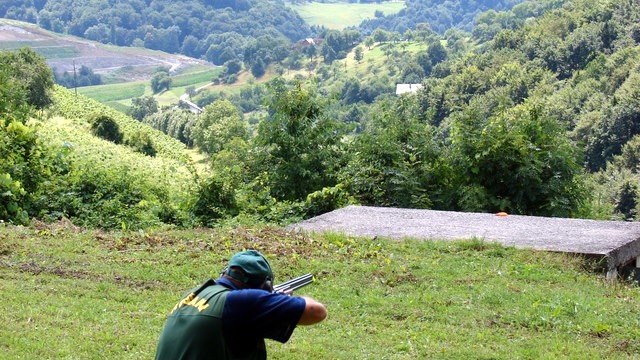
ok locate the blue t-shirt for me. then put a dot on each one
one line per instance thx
(251, 315)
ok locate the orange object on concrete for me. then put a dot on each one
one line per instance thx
(502, 213)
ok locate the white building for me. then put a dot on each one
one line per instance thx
(407, 88)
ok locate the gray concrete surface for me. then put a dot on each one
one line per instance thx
(615, 242)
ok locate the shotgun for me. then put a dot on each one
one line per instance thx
(294, 284)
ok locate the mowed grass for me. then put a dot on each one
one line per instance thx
(376, 59)
(113, 92)
(195, 78)
(68, 293)
(339, 15)
(119, 95)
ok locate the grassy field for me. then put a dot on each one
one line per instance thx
(119, 95)
(68, 293)
(114, 92)
(339, 15)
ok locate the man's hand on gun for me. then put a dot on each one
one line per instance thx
(290, 286)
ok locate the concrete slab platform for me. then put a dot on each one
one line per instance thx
(616, 243)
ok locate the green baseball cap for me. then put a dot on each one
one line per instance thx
(254, 264)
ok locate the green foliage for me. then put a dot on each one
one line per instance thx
(106, 128)
(142, 143)
(298, 145)
(32, 72)
(80, 108)
(440, 15)
(336, 44)
(326, 200)
(25, 164)
(83, 77)
(394, 160)
(175, 122)
(101, 184)
(215, 201)
(357, 56)
(627, 202)
(519, 162)
(111, 186)
(220, 123)
(619, 124)
(142, 107)
(162, 25)
(258, 68)
(161, 81)
(538, 88)
(11, 199)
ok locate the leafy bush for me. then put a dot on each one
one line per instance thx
(11, 194)
(31, 73)
(109, 186)
(326, 200)
(142, 143)
(25, 163)
(215, 201)
(106, 128)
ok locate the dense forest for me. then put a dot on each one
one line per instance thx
(218, 31)
(440, 16)
(534, 115)
(254, 32)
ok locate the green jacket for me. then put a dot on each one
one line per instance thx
(193, 330)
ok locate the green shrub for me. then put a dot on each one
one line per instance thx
(215, 201)
(106, 128)
(11, 194)
(142, 143)
(25, 164)
(326, 200)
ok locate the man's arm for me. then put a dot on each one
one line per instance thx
(314, 312)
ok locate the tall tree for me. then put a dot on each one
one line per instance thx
(142, 107)
(394, 161)
(220, 122)
(32, 72)
(298, 145)
(517, 161)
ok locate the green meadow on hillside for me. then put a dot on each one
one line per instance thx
(102, 295)
(81, 107)
(108, 184)
(375, 60)
(339, 15)
(119, 95)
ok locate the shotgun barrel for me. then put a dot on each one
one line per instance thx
(294, 284)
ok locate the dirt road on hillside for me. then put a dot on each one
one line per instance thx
(63, 52)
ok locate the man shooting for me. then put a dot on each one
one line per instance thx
(229, 318)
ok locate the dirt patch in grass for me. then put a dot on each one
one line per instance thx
(34, 268)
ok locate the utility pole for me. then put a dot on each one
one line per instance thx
(75, 81)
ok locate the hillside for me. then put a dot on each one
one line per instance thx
(218, 31)
(340, 15)
(437, 15)
(556, 123)
(111, 185)
(116, 64)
